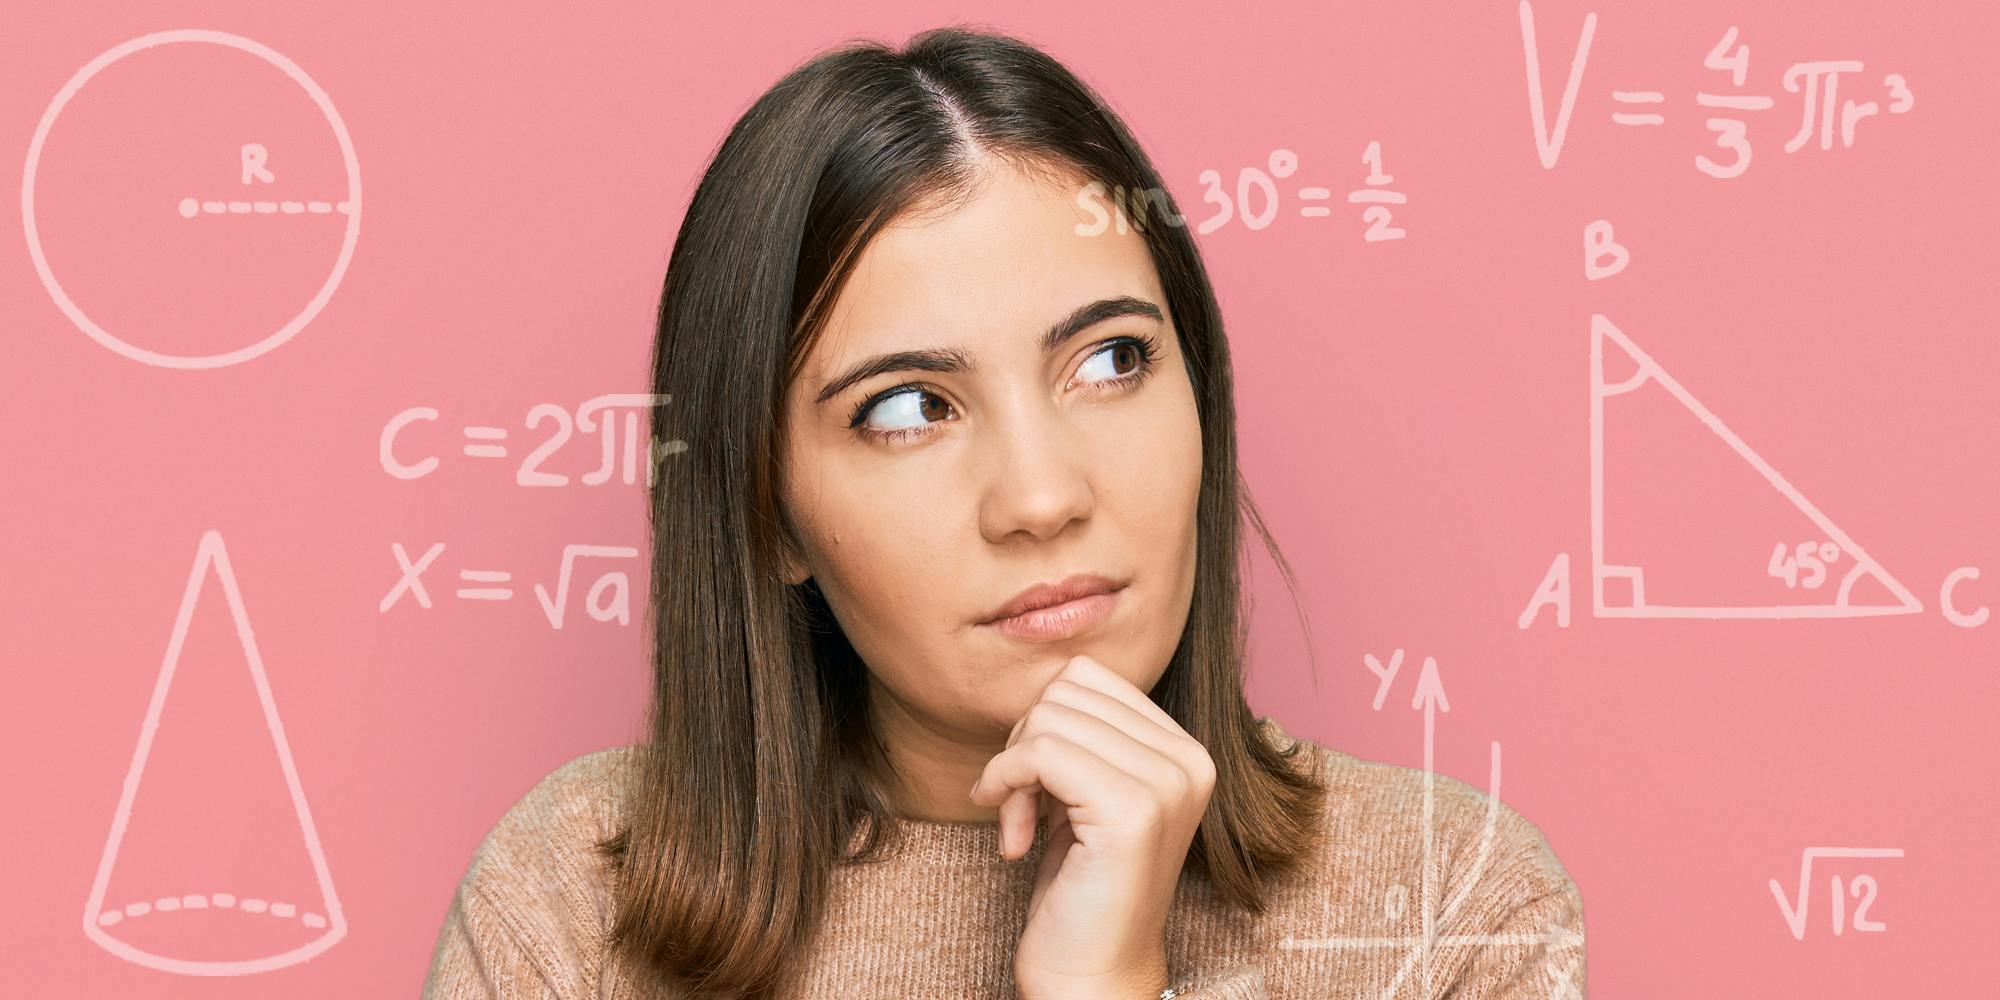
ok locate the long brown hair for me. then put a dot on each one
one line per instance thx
(760, 772)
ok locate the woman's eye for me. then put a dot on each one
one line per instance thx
(905, 409)
(1124, 356)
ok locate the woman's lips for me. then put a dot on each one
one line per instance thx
(1059, 621)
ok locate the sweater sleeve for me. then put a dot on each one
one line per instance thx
(1536, 953)
(1520, 935)
(527, 920)
(479, 958)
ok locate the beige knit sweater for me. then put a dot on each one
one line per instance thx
(528, 920)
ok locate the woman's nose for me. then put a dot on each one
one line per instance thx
(1039, 478)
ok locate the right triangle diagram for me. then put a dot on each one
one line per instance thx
(1687, 521)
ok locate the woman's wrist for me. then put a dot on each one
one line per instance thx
(1147, 983)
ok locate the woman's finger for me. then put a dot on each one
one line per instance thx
(1135, 724)
(1159, 772)
(1099, 710)
(1086, 673)
(1017, 820)
(1118, 748)
(1078, 778)
(1092, 674)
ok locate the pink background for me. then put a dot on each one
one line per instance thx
(1415, 419)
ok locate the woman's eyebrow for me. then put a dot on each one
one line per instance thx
(951, 359)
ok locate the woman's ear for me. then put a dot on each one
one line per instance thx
(794, 568)
(791, 561)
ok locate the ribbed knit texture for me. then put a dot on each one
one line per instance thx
(941, 918)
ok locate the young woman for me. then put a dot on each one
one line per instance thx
(946, 623)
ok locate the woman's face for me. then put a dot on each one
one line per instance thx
(926, 499)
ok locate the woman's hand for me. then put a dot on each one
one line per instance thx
(1127, 789)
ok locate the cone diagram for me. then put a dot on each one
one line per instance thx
(212, 865)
